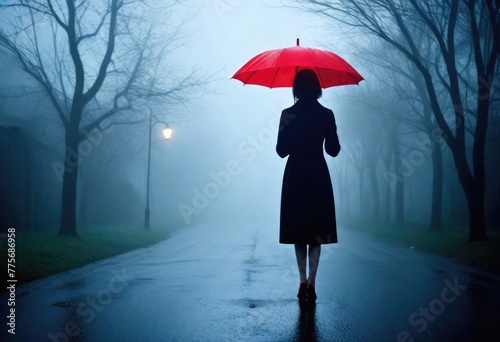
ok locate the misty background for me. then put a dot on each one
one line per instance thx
(219, 122)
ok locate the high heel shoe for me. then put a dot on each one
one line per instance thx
(302, 295)
(311, 293)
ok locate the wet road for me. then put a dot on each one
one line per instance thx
(236, 283)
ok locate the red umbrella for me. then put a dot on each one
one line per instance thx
(277, 68)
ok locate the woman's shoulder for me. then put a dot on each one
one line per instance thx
(302, 105)
(323, 108)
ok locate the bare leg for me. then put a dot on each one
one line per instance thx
(314, 252)
(301, 254)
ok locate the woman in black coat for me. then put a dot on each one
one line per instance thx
(307, 206)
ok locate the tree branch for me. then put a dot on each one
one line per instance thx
(115, 7)
(93, 34)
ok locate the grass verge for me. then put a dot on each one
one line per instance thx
(38, 255)
(450, 241)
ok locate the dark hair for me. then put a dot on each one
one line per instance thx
(306, 85)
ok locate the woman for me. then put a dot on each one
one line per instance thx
(307, 206)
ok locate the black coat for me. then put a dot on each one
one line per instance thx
(307, 205)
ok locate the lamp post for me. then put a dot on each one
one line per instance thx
(167, 134)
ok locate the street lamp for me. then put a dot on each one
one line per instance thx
(167, 134)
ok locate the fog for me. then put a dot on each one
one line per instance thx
(238, 124)
(221, 164)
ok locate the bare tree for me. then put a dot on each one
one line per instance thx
(363, 153)
(407, 85)
(379, 135)
(103, 62)
(475, 24)
(344, 186)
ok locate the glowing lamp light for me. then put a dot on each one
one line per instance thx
(167, 132)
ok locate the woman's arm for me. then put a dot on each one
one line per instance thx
(332, 145)
(284, 145)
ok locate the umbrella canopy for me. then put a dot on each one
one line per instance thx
(277, 68)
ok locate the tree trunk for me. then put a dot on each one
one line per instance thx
(400, 216)
(453, 205)
(387, 208)
(475, 198)
(361, 197)
(437, 188)
(475, 201)
(71, 160)
(83, 207)
(399, 199)
(376, 194)
(474, 194)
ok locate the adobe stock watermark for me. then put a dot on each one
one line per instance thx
(247, 150)
(224, 6)
(75, 158)
(87, 310)
(421, 318)
(425, 144)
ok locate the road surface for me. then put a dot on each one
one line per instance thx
(217, 282)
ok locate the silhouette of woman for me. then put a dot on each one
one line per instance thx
(307, 214)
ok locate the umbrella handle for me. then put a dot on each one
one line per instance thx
(298, 42)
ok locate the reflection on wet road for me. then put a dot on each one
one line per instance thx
(236, 283)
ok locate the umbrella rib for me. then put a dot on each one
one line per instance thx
(248, 79)
(277, 69)
(320, 79)
(274, 77)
